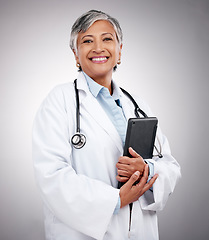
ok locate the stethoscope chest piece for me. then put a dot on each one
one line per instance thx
(78, 140)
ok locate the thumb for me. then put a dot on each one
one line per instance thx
(133, 153)
(134, 177)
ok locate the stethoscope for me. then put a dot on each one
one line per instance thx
(79, 140)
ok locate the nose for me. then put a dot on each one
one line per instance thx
(98, 46)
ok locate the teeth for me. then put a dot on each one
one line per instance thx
(99, 59)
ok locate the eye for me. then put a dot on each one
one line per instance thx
(87, 41)
(107, 39)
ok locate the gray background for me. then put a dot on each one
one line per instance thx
(165, 59)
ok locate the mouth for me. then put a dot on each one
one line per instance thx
(100, 59)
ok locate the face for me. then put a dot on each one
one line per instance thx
(98, 50)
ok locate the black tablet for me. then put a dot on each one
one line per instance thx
(140, 136)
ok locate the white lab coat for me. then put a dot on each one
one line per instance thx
(79, 186)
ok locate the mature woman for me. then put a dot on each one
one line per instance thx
(78, 176)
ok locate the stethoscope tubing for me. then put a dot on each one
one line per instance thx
(79, 140)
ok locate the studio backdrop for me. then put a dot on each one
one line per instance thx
(165, 60)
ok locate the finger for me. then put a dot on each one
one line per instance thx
(134, 177)
(133, 153)
(121, 166)
(123, 173)
(144, 178)
(122, 179)
(150, 183)
(127, 167)
(124, 160)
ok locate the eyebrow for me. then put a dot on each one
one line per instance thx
(107, 33)
(92, 35)
(86, 36)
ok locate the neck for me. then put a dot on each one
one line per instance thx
(104, 81)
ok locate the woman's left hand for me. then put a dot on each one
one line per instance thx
(127, 166)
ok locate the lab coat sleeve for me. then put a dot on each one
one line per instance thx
(80, 202)
(169, 173)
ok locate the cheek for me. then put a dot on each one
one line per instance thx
(82, 53)
(115, 50)
(116, 54)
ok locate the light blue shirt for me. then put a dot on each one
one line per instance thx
(111, 105)
(113, 108)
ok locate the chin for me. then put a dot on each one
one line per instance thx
(102, 71)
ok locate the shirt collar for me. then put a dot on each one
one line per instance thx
(95, 88)
(116, 93)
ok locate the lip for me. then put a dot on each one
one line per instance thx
(99, 59)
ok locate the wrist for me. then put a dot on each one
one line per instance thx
(145, 163)
(151, 169)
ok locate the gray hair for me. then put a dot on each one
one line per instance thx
(86, 20)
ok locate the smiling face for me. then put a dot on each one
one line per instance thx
(98, 51)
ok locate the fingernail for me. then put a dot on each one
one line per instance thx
(137, 173)
(132, 149)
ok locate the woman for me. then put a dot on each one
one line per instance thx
(79, 184)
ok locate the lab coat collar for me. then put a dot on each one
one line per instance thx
(92, 106)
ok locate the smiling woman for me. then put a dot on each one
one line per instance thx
(78, 179)
(98, 52)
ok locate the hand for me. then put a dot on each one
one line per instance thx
(130, 193)
(127, 166)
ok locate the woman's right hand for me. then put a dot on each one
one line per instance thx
(130, 192)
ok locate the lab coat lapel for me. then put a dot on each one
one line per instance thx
(91, 105)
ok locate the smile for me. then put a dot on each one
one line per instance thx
(99, 59)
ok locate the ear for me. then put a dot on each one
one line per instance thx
(121, 46)
(120, 50)
(76, 56)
